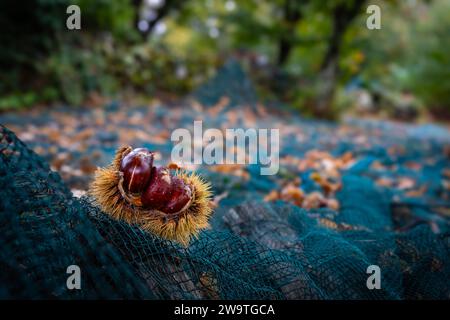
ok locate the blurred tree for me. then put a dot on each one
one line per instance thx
(299, 52)
(292, 14)
(27, 33)
(159, 11)
(342, 14)
(429, 59)
(107, 17)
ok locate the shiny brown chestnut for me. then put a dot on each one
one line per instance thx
(166, 193)
(136, 167)
(158, 191)
(180, 196)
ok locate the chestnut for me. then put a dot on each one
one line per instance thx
(166, 193)
(158, 191)
(181, 196)
(136, 167)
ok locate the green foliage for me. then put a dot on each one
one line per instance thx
(115, 17)
(430, 60)
(17, 101)
(109, 56)
(76, 73)
(28, 33)
(409, 53)
(51, 62)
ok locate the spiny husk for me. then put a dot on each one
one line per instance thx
(181, 226)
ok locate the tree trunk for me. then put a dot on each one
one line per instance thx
(292, 15)
(343, 15)
(137, 12)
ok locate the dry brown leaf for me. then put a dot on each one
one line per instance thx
(377, 165)
(219, 106)
(173, 166)
(87, 166)
(384, 182)
(216, 200)
(292, 194)
(406, 183)
(314, 200)
(413, 165)
(446, 173)
(327, 186)
(416, 193)
(330, 224)
(272, 196)
(333, 204)
(237, 170)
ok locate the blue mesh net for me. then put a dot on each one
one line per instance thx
(254, 250)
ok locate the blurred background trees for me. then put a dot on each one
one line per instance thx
(315, 56)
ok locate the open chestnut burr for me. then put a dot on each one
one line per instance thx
(175, 206)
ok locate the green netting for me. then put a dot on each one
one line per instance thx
(254, 251)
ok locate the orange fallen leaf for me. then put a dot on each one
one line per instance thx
(237, 170)
(292, 194)
(384, 182)
(272, 196)
(406, 183)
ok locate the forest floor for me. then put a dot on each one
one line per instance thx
(411, 163)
